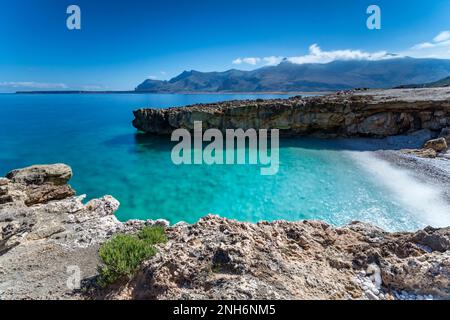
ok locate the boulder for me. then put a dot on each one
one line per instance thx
(57, 174)
(435, 239)
(48, 192)
(438, 145)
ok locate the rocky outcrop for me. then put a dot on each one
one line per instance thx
(45, 228)
(431, 149)
(353, 113)
(215, 258)
(438, 145)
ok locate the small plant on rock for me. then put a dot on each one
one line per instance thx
(122, 255)
(153, 235)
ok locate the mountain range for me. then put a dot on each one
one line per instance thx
(291, 77)
(440, 83)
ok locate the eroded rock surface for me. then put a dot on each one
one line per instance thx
(438, 145)
(45, 228)
(376, 113)
(218, 258)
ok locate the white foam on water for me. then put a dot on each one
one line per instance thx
(423, 200)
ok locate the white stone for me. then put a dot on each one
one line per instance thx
(371, 296)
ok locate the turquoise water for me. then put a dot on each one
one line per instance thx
(317, 179)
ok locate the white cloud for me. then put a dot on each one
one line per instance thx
(437, 48)
(33, 85)
(316, 55)
(272, 60)
(423, 45)
(249, 60)
(443, 36)
(151, 77)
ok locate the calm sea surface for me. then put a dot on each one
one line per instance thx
(93, 134)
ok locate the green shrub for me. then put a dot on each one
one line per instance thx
(122, 256)
(153, 235)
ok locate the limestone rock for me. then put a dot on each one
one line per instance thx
(377, 113)
(423, 153)
(44, 229)
(438, 145)
(217, 258)
(435, 239)
(48, 192)
(57, 174)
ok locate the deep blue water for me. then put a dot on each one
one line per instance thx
(93, 134)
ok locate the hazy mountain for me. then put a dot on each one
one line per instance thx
(288, 76)
(440, 83)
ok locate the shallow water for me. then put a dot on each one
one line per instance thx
(317, 179)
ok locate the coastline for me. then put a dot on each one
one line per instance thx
(265, 260)
(181, 92)
(48, 228)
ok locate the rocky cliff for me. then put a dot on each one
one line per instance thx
(352, 113)
(45, 228)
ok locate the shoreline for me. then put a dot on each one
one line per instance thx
(305, 259)
(45, 226)
(176, 93)
(49, 247)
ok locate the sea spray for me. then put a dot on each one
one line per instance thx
(423, 200)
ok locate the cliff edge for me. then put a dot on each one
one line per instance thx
(371, 113)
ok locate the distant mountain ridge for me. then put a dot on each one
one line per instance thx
(290, 77)
(436, 84)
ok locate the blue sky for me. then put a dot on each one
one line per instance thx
(121, 43)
